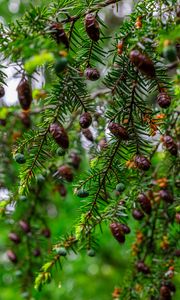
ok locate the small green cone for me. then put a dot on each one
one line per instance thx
(60, 152)
(19, 158)
(91, 253)
(170, 53)
(22, 198)
(61, 251)
(60, 65)
(82, 193)
(40, 178)
(120, 187)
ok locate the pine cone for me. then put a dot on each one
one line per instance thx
(2, 91)
(46, 232)
(145, 203)
(82, 193)
(60, 135)
(120, 187)
(137, 214)
(14, 238)
(40, 179)
(2, 122)
(24, 226)
(170, 285)
(20, 158)
(102, 144)
(177, 253)
(91, 252)
(163, 100)
(25, 119)
(177, 218)
(36, 252)
(66, 173)
(170, 145)
(60, 65)
(85, 120)
(92, 74)
(118, 131)
(165, 293)
(143, 63)
(170, 53)
(60, 152)
(92, 27)
(88, 134)
(117, 232)
(166, 196)
(142, 162)
(59, 34)
(121, 203)
(61, 251)
(75, 160)
(12, 256)
(124, 228)
(62, 190)
(142, 267)
(24, 94)
(174, 150)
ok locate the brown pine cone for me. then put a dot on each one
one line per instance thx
(174, 150)
(2, 91)
(145, 203)
(137, 214)
(124, 228)
(60, 135)
(142, 162)
(177, 218)
(59, 34)
(117, 232)
(14, 237)
(12, 256)
(24, 226)
(118, 131)
(165, 293)
(88, 134)
(46, 232)
(142, 267)
(2, 122)
(170, 145)
(36, 252)
(163, 100)
(92, 74)
(177, 253)
(143, 63)
(103, 144)
(75, 160)
(121, 203)
(62, 190)
(92, 27)
(170, 285)
(166, 196)
(24, 93)
(85, 120)
(25, 119)
(66, 173)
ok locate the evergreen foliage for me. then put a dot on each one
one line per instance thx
(125, 78)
